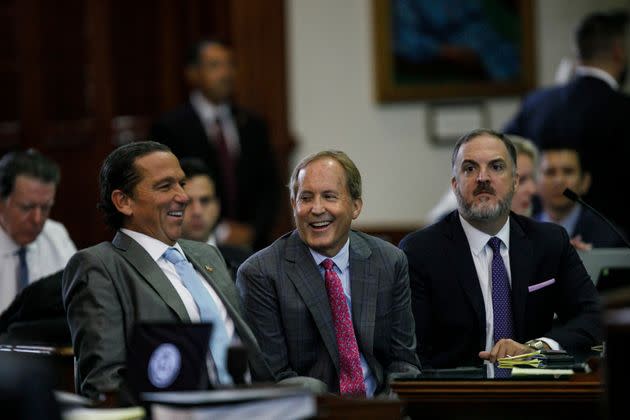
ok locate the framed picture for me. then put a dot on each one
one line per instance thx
(434, 49)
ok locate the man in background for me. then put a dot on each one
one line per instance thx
(233, 142)
(560, 168)
(590, 113)
(31, 245)
(202, 212)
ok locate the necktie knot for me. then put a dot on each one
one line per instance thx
(328, 264)
(172, 255)
(21, 252)
(495, 244)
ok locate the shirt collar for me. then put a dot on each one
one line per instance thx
(153, 246)
(13, 247)
(206, 110)
(478, 239)
(340, 260)
(569, 222)
(598, 74)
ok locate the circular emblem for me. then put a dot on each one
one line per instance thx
(164, 365)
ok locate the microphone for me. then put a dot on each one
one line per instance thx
(572, 195)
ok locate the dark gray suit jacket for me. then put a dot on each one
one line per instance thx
(287, 307)
(109, 287)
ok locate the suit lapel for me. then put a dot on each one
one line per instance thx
(309, 283)
(148, 269)
(364, 292)
(521, 270)
(220, 283)
(460, 257)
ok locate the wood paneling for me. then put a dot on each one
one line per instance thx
(80, 77)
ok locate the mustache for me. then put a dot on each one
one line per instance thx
(484, 188)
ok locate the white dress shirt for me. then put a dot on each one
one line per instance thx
(156, 248)
(482, 257)
(342, 268)
(46, 255)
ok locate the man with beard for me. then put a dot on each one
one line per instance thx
(590, 113)
(486, 282)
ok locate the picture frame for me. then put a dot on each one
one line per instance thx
(431, 49)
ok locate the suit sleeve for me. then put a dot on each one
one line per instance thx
(268, 188)
(403, 339)
(579, 308)
(95, 318)
(263, 315)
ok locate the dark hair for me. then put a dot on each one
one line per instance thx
(194, 167)
(481, 132)
(554, 145)
(119, 172)
(353, 176)
(597, 32)
(29, 163)
(194, 52)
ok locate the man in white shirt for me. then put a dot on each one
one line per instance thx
(147, 273)
(31, 245)
(486, 282)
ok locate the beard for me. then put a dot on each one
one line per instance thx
(484, 211)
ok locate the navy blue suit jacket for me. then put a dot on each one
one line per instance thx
(448, 304)
(588, 114)
(256, 174)
(594, 230)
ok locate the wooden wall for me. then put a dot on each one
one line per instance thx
(79, 77)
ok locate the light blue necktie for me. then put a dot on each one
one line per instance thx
(22, 271)
(208, 311)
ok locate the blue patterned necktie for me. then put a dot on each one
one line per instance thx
(501, 300)
(22, 269)
(208, 311)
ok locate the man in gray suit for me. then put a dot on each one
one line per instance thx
(330, 306)
(111, 286)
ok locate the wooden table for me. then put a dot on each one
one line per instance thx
(580, 397)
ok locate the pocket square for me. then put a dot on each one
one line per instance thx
(539, 286)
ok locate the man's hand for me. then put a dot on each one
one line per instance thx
(579, 244)
(503, 348)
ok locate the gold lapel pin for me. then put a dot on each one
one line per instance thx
(210, 269)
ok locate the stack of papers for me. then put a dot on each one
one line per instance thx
(532, 359)
(539, 359)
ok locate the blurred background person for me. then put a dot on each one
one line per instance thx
(202, 212)
(31, 245)
(233, 142)
(590, 113)
(561, 167)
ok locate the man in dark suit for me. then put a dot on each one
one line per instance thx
(560, 168)
(111, 286)
(486, 282)
(202, 212)
(233, 142)
(589, 113)
(330, 306)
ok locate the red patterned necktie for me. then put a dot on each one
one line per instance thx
(228, 171)
(350, 373)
